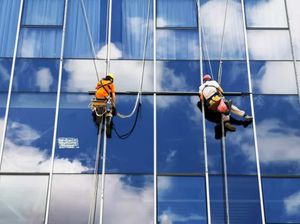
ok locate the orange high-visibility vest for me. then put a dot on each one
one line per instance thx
(104, 88)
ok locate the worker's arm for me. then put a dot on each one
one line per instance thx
(220, 89)
(113, 99)
(201, 96)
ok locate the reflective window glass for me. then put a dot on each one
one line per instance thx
(43, 12)
(36, 75)
(213, 15)
(179, 135)
(77, 43)
(29, 133)
(80, 75)
(77, 137)
(277, 125)
(269, 77)
(128, 199)
(217, 199)
(234, 76)
(282, 200)
(40, 42)
(23, 199)
(244, 203)
(181, 200)
(176, 13)
(66, 189)
(129, 75)
(9, 9)
(266, 13)
(177, 76)
(269, 45)
(3, 98)
(177, 44)
(130, 25)
(133, 154)
(5, 67)
(294, 17)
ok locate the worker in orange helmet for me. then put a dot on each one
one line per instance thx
(105, 91)
(212, 94)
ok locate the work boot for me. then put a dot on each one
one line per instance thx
(229, 126)
(248, 118)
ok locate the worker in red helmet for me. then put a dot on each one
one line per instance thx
(212, 94)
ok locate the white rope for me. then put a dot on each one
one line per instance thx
(207, 54)
(222, 44)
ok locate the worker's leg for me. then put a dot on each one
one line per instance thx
(227, 124)
(241, 113)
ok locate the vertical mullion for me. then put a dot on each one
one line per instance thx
(56, 114)
(12, 73)
(203, 118)
(254, 121)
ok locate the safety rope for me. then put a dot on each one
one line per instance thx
(90, 38)
(222, 44)
(207, 54)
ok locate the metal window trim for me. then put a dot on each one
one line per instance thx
(12, 73)
(254, 121)
(56, 115)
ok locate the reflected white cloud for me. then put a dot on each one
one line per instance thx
(294, 14)
(44, 79)
(4, 73)
(21, 155)
(292, 204)
(29, 46)
(168, 217)
(278, 77)
(115, 53)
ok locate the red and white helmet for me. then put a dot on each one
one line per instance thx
(206, 77)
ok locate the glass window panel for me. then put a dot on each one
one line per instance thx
(77, 44)
(181, 200)
(127, 41)
(78, 156)
(278, 133)
(213, 14)
(36, 75)
(80, 75)
(269, 77)
(234, 76)
(43, 12)
(244, 203)
(129, 75)
(5, 67)
(179, 141)
(178, 76)
(3, 98)
(128, 200)
(240, 144)
(217, 199)
(9, 9)
(294, 17)
(72, 198)
(135, 153)
(23, 199)
(28, 141)
(266, 13)
(176, 13)
(269, 45)
(177, 44)
(40, 42)
(282, 200)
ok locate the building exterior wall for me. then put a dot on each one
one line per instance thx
(177, 166)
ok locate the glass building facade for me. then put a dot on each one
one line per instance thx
(176, 166)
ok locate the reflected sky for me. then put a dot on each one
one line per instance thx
(75, 122)
(36, 75)
(28, 142)
(5, 67)
(293, 11)
(269, 77)
(21, 201)
(181, 200)
(282, 200)
(278, 133)
(266, 13)
(135, 153)
(179, 135)
(212, 15)
(2, 113)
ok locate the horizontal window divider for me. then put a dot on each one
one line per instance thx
(180, 174)
(28, 58)
(170, 93)
(125, 173)
(274, 94)
(42, 26)
(267, 28)
(233, 175)
(281, 176)
(23, 174)
(177, 28)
